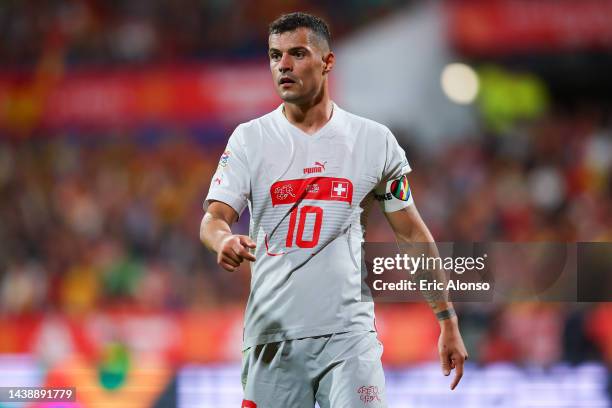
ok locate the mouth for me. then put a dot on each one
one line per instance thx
(286, 82)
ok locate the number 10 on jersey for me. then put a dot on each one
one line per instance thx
(299, 236)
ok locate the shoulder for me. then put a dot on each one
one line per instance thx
(368, 127)
(247, 131)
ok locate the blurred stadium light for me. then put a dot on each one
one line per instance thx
(460, 83)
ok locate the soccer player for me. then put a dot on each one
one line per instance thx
(308, 172)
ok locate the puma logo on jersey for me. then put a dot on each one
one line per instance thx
(317, 168)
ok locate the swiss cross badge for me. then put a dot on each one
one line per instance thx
(340, 189)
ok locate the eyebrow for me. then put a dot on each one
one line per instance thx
(298, 48)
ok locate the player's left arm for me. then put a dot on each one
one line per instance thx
(409, 227)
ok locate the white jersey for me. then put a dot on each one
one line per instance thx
(308, 196)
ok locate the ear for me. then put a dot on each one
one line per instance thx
(329, 60)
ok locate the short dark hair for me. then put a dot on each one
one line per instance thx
(293, 21)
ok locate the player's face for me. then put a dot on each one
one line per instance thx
(299, 64)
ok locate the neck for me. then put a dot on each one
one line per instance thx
(311, 116)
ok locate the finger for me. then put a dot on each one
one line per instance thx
(458, 373)
(245, 254)
(445, 363)
(231, 253)
(230, 261)
(247, 241)
(240, 252)
(227, 267)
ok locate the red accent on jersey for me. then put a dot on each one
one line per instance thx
(310, 170)
(268, 248)
(314, 188)
(318, 212)
(317, 168)
(248, 404)
(289, 240)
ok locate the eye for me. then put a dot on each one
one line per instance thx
(274, 56)
(300, 54)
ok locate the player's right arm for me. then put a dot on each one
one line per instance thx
(227, 198)
(216, 235)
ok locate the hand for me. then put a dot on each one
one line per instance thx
(233, 250)
(452, 351)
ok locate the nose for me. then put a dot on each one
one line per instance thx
(285, 63)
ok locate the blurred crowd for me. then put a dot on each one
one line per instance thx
(112, 220)
(107, 221)
(548, 180)
(89, 32)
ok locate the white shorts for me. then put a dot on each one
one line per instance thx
(340, 370)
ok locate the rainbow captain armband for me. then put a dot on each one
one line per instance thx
(396, 194)
(400, 188)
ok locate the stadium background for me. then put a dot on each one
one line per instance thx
(113, 115)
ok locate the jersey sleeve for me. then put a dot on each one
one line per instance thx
(393, 192)
(396, 163)
(231, 182)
